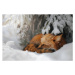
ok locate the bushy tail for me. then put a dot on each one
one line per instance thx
(34, 48)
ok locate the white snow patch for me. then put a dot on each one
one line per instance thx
(63, 54)
(57, 22)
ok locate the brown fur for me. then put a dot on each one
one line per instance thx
(45, 43)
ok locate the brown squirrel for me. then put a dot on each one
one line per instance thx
(45, 43)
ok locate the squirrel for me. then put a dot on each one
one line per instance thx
(47, 43)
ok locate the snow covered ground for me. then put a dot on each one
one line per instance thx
(12, 50)
(11, 53)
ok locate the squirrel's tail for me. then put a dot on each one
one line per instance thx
(33, 48)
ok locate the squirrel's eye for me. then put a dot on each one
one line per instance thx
(53, 40)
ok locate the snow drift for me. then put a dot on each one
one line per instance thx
(11, 53)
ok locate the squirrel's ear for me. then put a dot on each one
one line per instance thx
(58, 38)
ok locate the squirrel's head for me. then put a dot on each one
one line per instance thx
(53, 41)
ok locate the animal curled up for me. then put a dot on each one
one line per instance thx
(45, 43)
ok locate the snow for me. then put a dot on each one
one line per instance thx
(58, 21)
(11, 53)
(12, 50)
